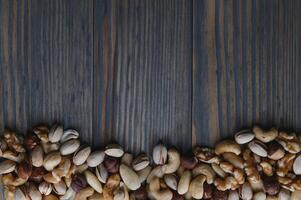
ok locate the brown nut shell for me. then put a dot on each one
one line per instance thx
(37, 174)
(271, 185)
(220, 195)
(275, 150)
(78, 183)
(24, 169)
(188, 161)
(111, 164)
(31, 141)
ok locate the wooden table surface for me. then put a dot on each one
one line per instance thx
(140, 71)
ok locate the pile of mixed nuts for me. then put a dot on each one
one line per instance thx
(51, 164)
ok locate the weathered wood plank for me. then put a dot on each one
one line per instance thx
(13, 65)
(245, 66)
(47, 64)
(143, 62)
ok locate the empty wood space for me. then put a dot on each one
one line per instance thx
(141, 71)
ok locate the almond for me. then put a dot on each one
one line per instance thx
(81, 155)
(95, 158)
(69, 147)
(114, 150)
(93, 181)
(129, 177)
(244, 136)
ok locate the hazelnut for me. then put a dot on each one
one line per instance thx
(140, 194)
(271, 185)
(219, 195)
(78, 182)
(24, 170)
(207, 191)
(37, 174)
(31, 141)
(188, 161)
(275, 150)
(111, 164)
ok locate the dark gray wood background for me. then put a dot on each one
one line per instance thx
(137, 72)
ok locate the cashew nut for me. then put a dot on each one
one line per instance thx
(173, 162)
(218, 170)
(143, 174)
(265, 136)
(171, 181)
(184, 181)
(227, 146)
(158, 171)
(180, 170)
(206, 170)
(156, 192)
(196, 186)
(234, 159)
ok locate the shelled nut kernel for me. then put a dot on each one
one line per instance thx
(52, 164)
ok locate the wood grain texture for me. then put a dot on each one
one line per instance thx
(137, 71)
(143, 60)
(246, 66)
(47, 64)
(13, 65)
